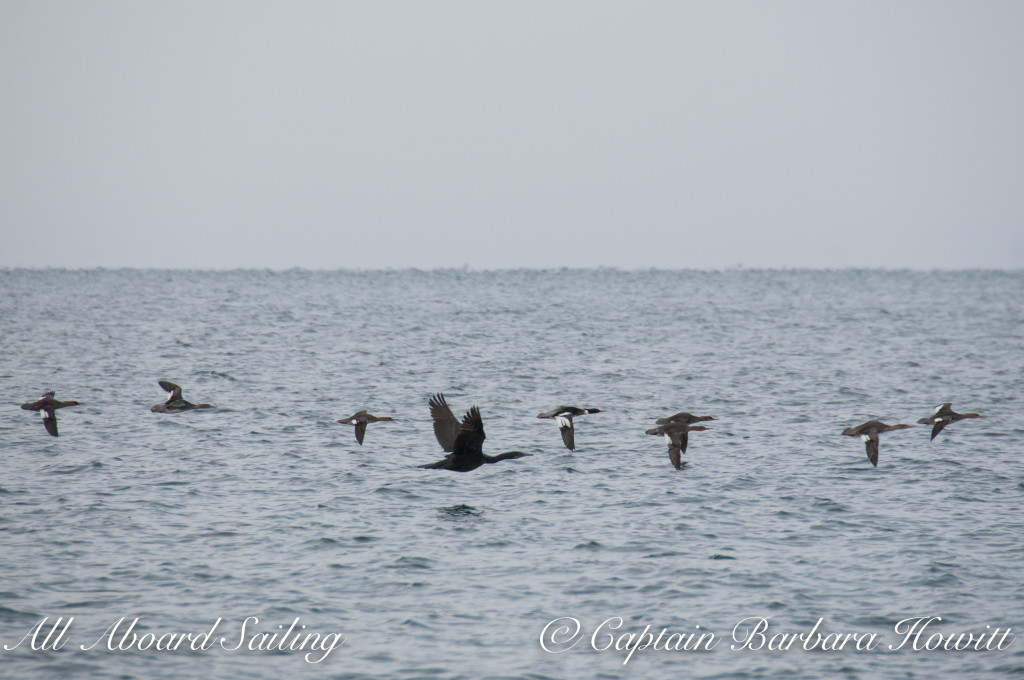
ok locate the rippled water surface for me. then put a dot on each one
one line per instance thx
(266, 507)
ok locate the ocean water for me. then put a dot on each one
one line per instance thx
(266, 507)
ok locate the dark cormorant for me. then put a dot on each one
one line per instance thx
(467, 448)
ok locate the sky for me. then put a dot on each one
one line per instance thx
(494, 135)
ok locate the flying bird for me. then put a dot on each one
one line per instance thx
(683, 417)
(945, 415)
(563, 416)
(467, 448)
(175, 403)
(446, 425)
(868, 432)
(676, 435)
(359, 420)
(47, 407)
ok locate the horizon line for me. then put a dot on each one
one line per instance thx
(470, 269)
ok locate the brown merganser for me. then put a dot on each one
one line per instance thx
(676, 434)
(175, 403)
(868, 432)
(467, 449)
(683, 417)
(563, 415)
(945, 415)
(359, 420)
(47, 407)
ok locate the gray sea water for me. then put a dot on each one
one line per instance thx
(266, 507)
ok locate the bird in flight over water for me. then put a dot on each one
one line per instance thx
(467, 447)
(360, 419)
(945, 415)
(868, 432)
(47, 407)
(563, 416)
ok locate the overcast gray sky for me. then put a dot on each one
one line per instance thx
(512, 134)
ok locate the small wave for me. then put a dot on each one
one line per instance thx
(395, 490)
(411, 563)
(9, 614)
(946, 579)
(829, 505)
(460, 510)
(327, 542)
(72, 469)
(218, 374)
(663, 554)
(413, 623)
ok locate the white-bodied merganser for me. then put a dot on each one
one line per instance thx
(563, 415)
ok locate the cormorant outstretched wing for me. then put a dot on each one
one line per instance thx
(446, 426)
